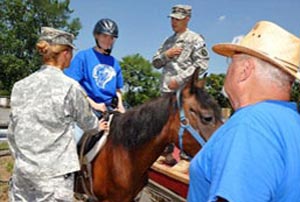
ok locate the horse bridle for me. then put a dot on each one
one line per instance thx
(185, 125)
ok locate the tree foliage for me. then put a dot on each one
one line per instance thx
(141, 82)
(20, 24)
(214, 85)
(295, 97)
(215, 82)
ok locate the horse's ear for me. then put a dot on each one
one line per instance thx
(201, 83)
(189, 87)
(196, 83)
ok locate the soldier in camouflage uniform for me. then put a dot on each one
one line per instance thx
(179, 56)
(45, 106)
(182, 53)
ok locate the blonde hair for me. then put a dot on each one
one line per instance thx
(48, 51)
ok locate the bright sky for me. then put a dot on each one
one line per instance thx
(144, 25)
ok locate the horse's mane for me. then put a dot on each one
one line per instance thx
(139, 124)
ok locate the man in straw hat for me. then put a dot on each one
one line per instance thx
(255, 155)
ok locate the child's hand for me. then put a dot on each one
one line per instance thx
(103, 125)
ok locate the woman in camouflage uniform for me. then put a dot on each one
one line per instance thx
(45, 106)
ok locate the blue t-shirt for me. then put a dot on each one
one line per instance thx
(253, 157)
(100, 75)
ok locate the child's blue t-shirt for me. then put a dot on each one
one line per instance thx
(100, 75)
(253, 157)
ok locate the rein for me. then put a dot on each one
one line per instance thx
(185, 125)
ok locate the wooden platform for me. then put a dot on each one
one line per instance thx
(175, 178)
(178, 172)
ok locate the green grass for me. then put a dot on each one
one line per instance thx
(4, 145)
(9, 166)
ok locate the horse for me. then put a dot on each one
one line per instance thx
(138, 137)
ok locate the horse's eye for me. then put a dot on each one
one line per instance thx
(207, 119)
(192, 110)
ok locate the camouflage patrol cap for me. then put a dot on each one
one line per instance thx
(55, 36)
(181, 11)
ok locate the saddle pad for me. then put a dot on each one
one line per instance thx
(89, 156)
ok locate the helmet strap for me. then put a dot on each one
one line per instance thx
(106, 51)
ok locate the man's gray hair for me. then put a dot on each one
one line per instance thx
(270, 72)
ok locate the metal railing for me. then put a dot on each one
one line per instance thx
(3, 134)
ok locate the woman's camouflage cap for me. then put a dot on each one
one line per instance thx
(55, 36)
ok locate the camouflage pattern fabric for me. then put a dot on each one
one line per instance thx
(45, 106)
(194, 55)
(59, 188)
(55, 36)
(181, 11)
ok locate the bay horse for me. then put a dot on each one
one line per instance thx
(138, 137)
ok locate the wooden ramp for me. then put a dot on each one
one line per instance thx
(178, 172)
(167, 183)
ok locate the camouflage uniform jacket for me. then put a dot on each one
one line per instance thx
(45, 106)
(194, 55)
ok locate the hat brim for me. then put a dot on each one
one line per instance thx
(72, 46)
(177, 16)
(229, 50)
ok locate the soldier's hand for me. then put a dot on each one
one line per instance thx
(173, 85)
(174, 51)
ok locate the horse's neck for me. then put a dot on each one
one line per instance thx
(149, 152)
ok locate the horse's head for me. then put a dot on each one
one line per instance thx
(199, 115)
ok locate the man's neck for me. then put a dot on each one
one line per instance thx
(181, 31)
(260, 96)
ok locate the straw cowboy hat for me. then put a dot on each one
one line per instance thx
(268, 42)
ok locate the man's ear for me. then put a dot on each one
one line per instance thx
(247, 70)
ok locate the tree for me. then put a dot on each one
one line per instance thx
(215, 82)
(214, 85)
(20, 24)
(141, 83)
(296, 93)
